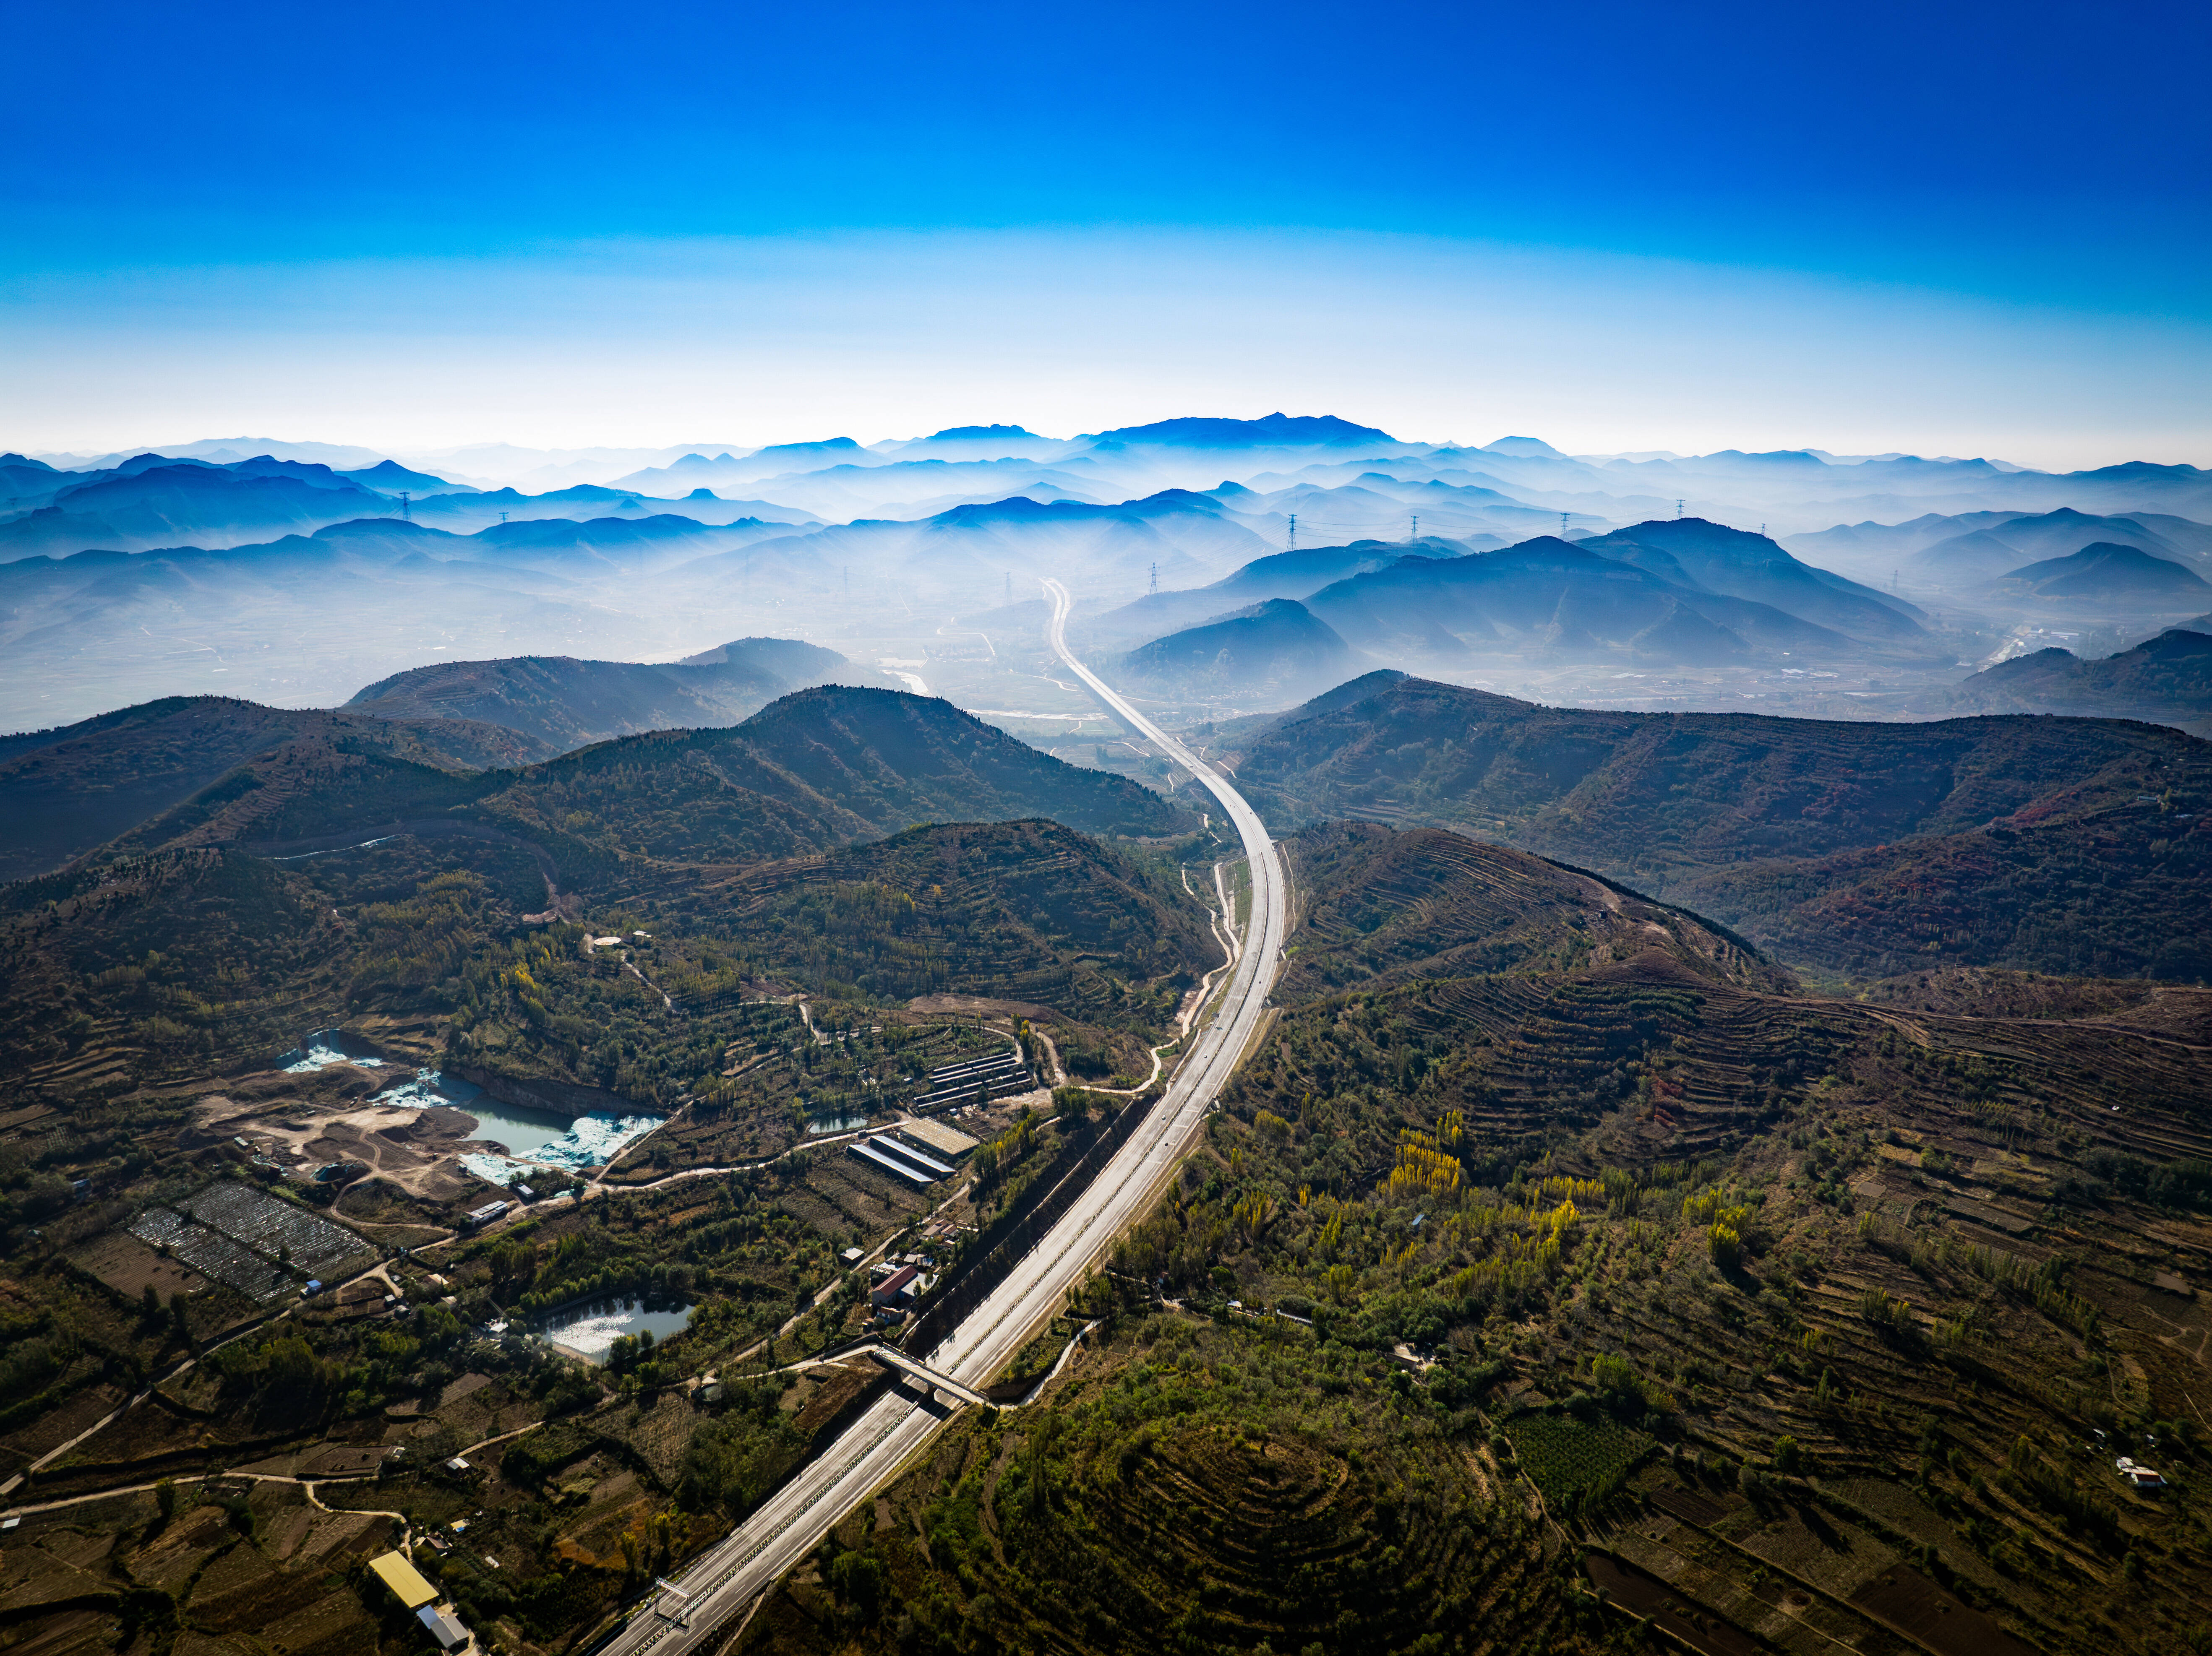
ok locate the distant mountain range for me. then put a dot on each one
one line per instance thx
(1279, 575)
(1970, 548)
(1678, 591)
(1712, 558)
(152, 502)
(297, 571)
(1794, 490)
(162, 503)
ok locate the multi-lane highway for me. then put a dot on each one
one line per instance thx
(746, 1562)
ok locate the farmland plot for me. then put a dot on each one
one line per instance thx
(262, 1222)
(238, 1236)
(1566, 1456)
(212, 1254)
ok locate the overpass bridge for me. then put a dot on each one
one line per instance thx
(892, 1357)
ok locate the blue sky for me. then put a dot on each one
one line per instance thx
(1962, 229)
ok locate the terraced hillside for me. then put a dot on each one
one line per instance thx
(1385, 906)
(2033, 844)
(1780, 1320)
(1218, 1488)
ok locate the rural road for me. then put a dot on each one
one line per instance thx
(789, 1524)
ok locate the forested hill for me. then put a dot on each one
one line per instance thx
(65, 792)
(2052, 845)
(818, 769)
(567, 703)
(2166, 680)
(422, 926)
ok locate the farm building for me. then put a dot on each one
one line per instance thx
(413, 1589)
(896, 1287)
(443, 1626)
(408, 1584)
(946, 1141)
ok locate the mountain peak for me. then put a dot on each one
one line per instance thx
(1271, 431)
(977, 434)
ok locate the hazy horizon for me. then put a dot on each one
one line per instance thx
(777, 341)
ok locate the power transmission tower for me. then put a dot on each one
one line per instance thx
(406, 507)
(1293, 546)
(1416, 534)
(1563, 525)
(1155, 581)
(1010, 587)
(502, 516)
(1678, 508)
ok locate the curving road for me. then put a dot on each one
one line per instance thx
(789, 1523)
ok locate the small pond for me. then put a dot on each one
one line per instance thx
(326, 1048)
(537, 1139)
(532, 1140)
(590, 1329)
(823, 1124)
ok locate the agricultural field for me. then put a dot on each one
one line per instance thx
(1574, 1461)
